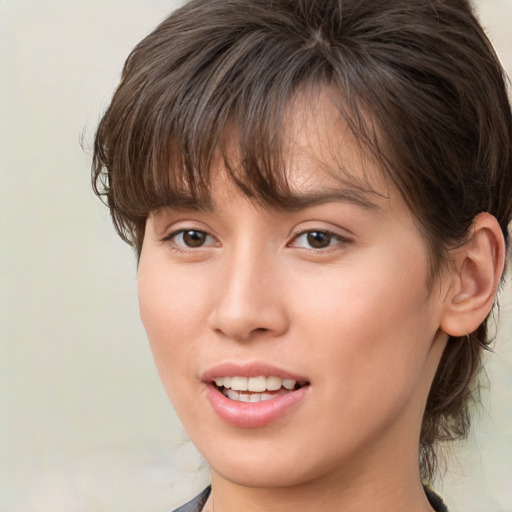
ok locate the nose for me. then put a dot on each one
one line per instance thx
(250, 299)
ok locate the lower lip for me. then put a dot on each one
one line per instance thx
(256, 414)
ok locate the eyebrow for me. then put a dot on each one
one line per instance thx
(186, 202)
(289, 203)
(301, 201)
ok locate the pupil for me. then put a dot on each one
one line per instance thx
(194, 238)
(319, 240)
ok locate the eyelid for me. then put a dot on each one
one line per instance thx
(339, 238)
(170, 239)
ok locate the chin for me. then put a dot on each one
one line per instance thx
(256, 464)
(267, 474)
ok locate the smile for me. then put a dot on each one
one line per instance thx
(255, 389)
(254, 394)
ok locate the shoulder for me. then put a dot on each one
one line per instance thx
(196, 504)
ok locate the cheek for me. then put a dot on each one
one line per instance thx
(371, 324)
(173, 309)
(171, 300)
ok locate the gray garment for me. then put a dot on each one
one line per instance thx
(197, 504)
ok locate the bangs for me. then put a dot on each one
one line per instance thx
(177, 115)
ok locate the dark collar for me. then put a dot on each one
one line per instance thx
(197, 504)
(435, 500)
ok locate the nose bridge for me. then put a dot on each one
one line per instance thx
(249, 298)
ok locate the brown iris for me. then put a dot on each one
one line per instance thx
(319, 239)
(193, 238)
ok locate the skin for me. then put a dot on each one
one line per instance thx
(355, 317)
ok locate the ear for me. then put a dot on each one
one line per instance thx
(475, 277)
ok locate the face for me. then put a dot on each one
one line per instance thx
(300, 344)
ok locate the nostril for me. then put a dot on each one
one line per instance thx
(243, 313)
(241, 333)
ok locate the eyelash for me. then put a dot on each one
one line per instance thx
(332, 237)
(171, 240)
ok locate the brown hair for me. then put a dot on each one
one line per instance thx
(440, 125)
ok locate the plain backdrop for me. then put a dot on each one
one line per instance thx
(84, 423)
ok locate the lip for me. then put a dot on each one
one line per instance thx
(256, 414)
(249, 369)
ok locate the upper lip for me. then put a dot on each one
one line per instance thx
(249, 369)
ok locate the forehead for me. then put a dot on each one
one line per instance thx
(319, 143)
(310, 152)
(320, 158)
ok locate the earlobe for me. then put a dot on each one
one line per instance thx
(475, 277)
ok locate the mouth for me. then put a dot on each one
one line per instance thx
(256, 389)
(255, 394)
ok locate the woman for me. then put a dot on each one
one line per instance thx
(319, 194)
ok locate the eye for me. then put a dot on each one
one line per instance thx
(190, 239)
(317, 239)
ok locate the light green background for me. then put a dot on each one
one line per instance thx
(84, 423)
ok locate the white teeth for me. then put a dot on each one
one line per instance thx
(247, 397)
(255, 384)
(239, 383)
(232, 394)
(274, 383)
(288, 383)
